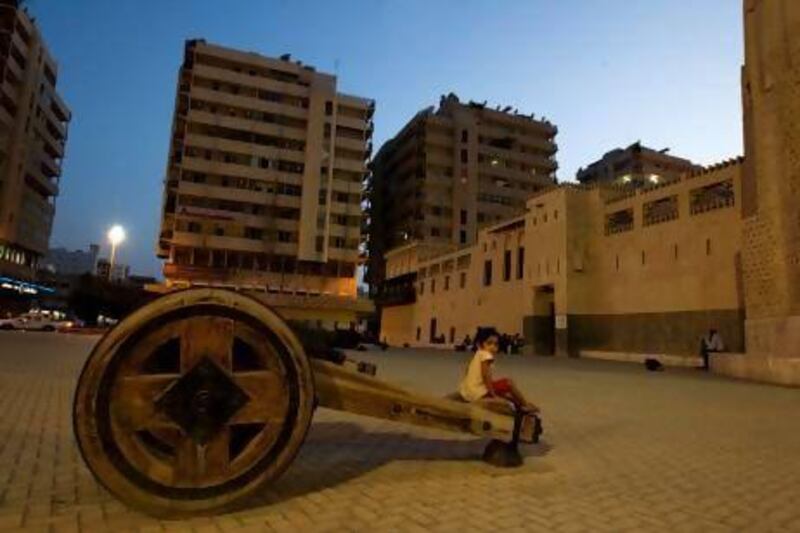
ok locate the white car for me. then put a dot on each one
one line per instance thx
(31, 323)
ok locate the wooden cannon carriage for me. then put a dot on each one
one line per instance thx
(203, 396)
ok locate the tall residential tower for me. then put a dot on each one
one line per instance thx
(33, 133)
(452, 170)
(264, 177)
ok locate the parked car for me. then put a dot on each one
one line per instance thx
(32, 322)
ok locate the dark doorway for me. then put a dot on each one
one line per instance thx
(543, 328)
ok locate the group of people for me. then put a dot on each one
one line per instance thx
(506, 343)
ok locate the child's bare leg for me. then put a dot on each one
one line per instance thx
(518, 398)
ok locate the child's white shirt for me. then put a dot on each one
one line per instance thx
(472, 387)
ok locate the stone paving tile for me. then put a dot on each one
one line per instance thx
(624, 450)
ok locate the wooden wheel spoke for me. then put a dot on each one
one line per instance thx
(269, 397)
(133, 401)
(210, 337)
(202, 463)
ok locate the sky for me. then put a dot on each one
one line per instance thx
(606, 72)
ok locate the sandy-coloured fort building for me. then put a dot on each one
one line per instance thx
(617, 271)
(263, 182)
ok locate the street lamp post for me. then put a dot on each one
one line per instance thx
(115, 236)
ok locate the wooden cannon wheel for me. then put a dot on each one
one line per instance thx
(193, 402)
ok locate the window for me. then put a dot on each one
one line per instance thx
(452, 335)
(520, 262)
(464, 136)
(618, 263)
(421, 292)
(507, 265)
(433, 286)
(219, 231)
(284, 236)
(435, 232)
(463, 216)
(708, 246)
(329, 108)
(675, 251)
(463, 237)
(253, 233)
(464, 156)
(555, 214)
(462, 280)
(487, 272)
(194, 227)
(419, 332)
(447, 283)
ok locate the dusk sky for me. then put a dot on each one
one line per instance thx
(607, 73)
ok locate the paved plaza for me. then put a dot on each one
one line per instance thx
(624, 450)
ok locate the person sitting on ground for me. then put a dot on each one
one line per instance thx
(710, 343)
(478, 383)
(467, 342)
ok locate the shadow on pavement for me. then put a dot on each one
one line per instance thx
(338, 452)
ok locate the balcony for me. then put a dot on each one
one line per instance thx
(241, 147)
(54, 146)
(5, 118)
(248, 102)
(248, 125)
(45, 186)
(199, 240)
(352, 165)
(352, 122)
(238, 195)
(59, 107)
(50, 168)
(350, 143)
(230, 76)
(53, 122)
(10, 90)
(207, 166)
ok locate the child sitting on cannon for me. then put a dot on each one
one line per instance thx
(478, 383)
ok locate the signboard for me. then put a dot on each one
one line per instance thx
(561, 321)
(23, 287)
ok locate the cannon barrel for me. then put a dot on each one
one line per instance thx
(203, 396)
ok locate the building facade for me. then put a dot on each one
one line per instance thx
(451, 171)
(635, 166)
(119, 272)
(604, 269)
(72, 262)
(264, 177)
(33, 133)
(591, 268)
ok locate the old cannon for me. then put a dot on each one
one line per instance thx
(203, 396)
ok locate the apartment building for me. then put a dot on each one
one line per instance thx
(33, 133)
(264, 176)
(451, 171)
(636, 166)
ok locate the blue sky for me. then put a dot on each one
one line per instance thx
(607, 72)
